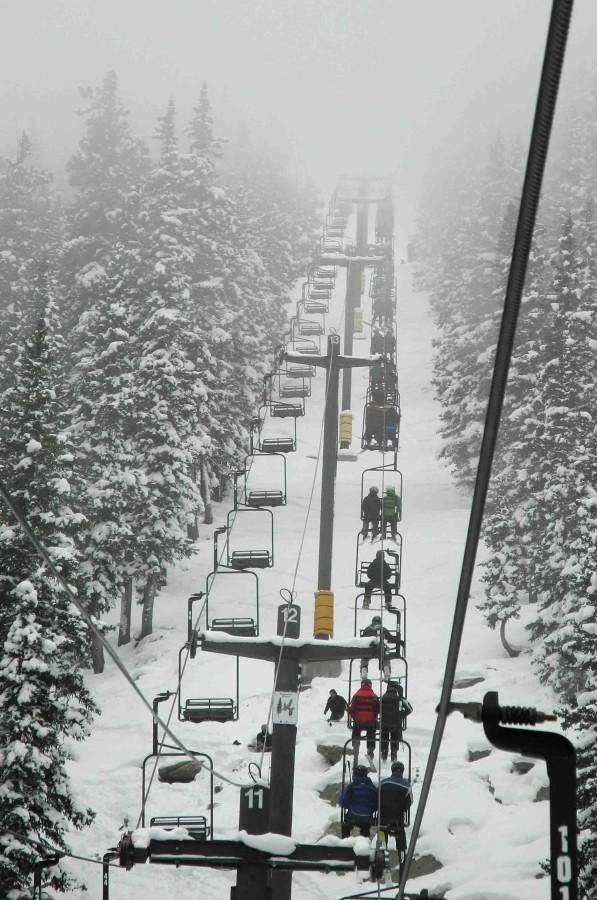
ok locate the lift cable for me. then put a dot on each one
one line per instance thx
(50, 851)
(292, 591)
(542, 124)
(43, 553)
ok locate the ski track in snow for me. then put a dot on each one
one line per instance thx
(489, 850)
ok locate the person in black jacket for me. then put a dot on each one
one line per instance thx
(379, 574)
(375, 629)
(336, 706)
(263, 741)
(359, 800)
(395, 801)
(371, 511)
(394, 710)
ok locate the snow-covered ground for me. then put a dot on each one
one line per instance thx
(481, 824)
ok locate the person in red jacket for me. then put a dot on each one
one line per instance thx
(364, 711)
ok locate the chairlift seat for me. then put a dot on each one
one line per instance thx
(277, 445)
(287, 410)
(265, 498)
(301, 371)
(295, 390)
(209, 709)
(241, 627)
(250, 559)
(196, 825)
(315, 306)
(320, 294)
(310, 328)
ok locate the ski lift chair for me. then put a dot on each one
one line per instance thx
(397, 609)
(395, 564)
(161, 750)
(279, 410)
(281, 443)
(307, 327)
(259, 497)
(292, 389)
(206, 709)
(315, 307)
(381, 428)
(262, 558)
(245, 626)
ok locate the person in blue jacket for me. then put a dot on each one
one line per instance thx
(359, 801)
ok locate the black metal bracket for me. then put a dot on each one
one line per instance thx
(560, 757)
(38, 868)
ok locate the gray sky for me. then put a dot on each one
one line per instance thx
(387, 84)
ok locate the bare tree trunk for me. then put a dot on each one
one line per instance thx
(126, 602)
(205, 493)
(149, 593)
(96, 646)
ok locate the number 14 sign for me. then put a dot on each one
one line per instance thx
(285, 710)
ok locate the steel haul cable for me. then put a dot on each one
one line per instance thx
(544, 114)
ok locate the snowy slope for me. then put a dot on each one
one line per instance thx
(481, 823)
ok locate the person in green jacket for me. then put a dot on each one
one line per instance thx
(391, 511)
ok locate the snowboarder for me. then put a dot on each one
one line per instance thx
(375, 629)
(336, 706)
(392, 511)
(364, 710)
(379, 574)
(370, 512)
(359, 800)
(394, 710)
(395, 801)
(263, 741)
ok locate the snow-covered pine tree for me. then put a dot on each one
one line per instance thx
(27, 224)
(99, 269)
(106, 172)
(466, 342)
(565, 569)
(169, 354)
(43, 696)
(510, 526)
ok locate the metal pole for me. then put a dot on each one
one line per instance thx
(328, 467)
(353, 298)
(282, 775)
(353, 289)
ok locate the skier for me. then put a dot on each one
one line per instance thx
(395, 801)
(370, 510)
(391, 421)
(394, 710)
(263, 741)
(389, 343)
(392, 510)
(377, 342)
(375, 629)
(364, 709)
(374, 425)
(336, 706)
(379, 574)
(359, 800)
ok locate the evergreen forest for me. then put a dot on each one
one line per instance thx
(137, 318)
(540, 525)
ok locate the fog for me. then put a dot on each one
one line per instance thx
(388, 86)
